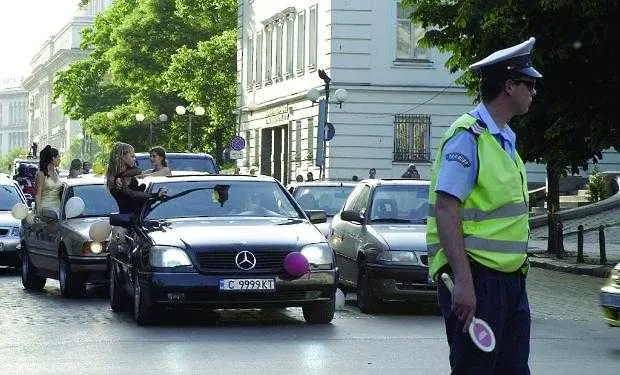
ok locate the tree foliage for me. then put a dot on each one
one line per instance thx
(149, 56)
(572, 119)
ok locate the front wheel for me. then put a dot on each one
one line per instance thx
(30, 279)
(320, 312)
(367, 301)
(118, 299)
(143, 311)
(71, 284)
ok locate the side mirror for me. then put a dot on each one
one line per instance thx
(352, 216)
(120, 220)
(316, 216)
(49, 214)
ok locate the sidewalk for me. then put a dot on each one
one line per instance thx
(568, 262)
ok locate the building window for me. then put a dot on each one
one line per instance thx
(298, 140)
(412, 138)
(310, 139)
(259, 58)
(250, 63)
(279, 47)
(407, 36)
(301, 41)
(256, 146)
(268, 53)
(290, 36)
(312, 43)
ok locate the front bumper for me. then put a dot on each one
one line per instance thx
(89, 264)
(9, 247)
(401, 283)
(200, 290)
(610, 303)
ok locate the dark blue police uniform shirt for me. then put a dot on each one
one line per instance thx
(459, 167)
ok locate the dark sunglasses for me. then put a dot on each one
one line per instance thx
(531, 85)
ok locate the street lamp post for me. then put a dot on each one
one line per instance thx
(314, 95)
(198, 111)
(162, 118)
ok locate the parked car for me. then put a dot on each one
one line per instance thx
(10, 228)
(58, 246)
(220, 242)
(24, 171)
(610, 297)
(180, 161)
(328, 196)
(379, 239)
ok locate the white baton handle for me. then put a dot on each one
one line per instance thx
(447, 281)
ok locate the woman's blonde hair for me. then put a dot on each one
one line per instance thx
(115, 163)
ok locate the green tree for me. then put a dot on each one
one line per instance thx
(6, 161)
(572, 119)
(147, 57)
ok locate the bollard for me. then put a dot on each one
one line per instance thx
(601, 244)
(559, 237)
(580, 244)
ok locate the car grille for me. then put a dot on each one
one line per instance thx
(224, 261)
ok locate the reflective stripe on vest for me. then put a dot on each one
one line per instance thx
(497, 246)
(475, 214)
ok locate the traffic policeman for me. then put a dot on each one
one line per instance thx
(477, 229)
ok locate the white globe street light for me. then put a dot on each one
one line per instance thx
(139, 117)
(180, 110)
(163, 117)
(341, 95)
(313, 94)
(199, 111)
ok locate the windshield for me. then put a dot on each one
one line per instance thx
(327, 198)
(185, 163)
(9, 196)
(222, 199)
(400, 204)
(97, 200)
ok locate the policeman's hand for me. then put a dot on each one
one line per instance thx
(464, 302)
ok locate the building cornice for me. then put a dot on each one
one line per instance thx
(52, 65)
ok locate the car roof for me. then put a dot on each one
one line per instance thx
(179, 155)
(84, 180)
(190, 177)
(324, 183)
(395, 181)
(6, 180)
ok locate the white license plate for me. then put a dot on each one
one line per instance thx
(247, 284)
(610, 300)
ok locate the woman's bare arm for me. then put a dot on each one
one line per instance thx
(39, 186)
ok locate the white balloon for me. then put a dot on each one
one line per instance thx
(19, 211)
(99, 231)
(74, 207)
(30, 218)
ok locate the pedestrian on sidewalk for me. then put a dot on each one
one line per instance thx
(477, 172)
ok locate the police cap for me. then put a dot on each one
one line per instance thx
(516, 59)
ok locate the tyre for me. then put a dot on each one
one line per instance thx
(320, 312)
(143, 312)
(118, 300)
(30, 279)
(71, 285)
(367, 302)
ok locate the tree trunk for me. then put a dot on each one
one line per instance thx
(555, 242)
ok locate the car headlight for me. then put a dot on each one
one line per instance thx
(398, 257)
(168, 257)
(319, 255)
(92, 247)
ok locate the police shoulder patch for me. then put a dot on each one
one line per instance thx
(459, 158)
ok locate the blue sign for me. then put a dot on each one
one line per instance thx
(330, 131)
(237, 143)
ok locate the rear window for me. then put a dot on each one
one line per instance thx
(182, 163)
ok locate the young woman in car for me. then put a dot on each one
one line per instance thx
(160, 164)
(47, 181)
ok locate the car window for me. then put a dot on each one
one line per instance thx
(401, 203)
(185, 163)
(327, 198)
(97, 200)
(222, 199)
(9, 196)
(361, 203)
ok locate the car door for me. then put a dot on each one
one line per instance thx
(350, 233)
(51, 235)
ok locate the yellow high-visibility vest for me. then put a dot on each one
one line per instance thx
(495, 215)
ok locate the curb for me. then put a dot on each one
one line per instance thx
(601, 271)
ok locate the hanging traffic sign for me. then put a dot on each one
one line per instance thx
(237, 143)
(330, 131)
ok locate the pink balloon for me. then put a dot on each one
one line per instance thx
(296, 264)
